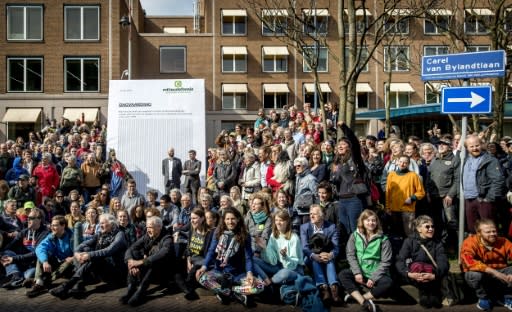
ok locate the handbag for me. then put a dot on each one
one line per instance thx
(359, 187)
(421, 267)
(303, 202)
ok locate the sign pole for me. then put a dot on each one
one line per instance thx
(462, 208)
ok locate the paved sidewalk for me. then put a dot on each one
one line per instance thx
(98, 300)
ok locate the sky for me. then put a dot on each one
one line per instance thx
(167, 7)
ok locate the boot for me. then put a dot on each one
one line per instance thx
(137, 297)
(336, 300)
(78, 289)
(325, 294)
(129, 293)
(63, 290)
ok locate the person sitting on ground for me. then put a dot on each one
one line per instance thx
(423, 263)
(54, 256)
(101, 255)
(19, 257)
(485, 258)
(231, 255)
(150, 257)
(369, 255)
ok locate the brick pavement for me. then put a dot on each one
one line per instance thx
(99, 300)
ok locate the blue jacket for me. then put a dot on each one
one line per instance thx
(52, 246)
(329, 230)
(239, 263)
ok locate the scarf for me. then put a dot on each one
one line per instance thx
(226, 247)
(106, 239)
(259, 217)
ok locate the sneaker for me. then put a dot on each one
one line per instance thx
(240, 298)
(223, 299)
(348, 298)
(17, 283)
(36, 290)
(507, 303)
(484, 304)
(368, 306)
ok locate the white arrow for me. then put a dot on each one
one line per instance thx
(475, 99)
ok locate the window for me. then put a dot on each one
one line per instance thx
(478, 48)
(82, 22)
(310, 59)
(435, 50)
(173, 60)
(24, 74)
(437, 21)
(234, 22)
(275, 95)
(274, 22)
(364, 56)
(397, 22)
(316, 21)
(309, 93)
(275, 59)
(433, 92)
(399, 94)
(362, 18)
(508, 93)
(234, 96)
(24, 22)
(82, 74)
(362, 100)
(477, 20)
(508, 19)
(234, 59)
(396, 58)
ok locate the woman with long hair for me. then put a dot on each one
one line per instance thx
(281, 258)
(138, 217)
(231, 255)
(114, 205)
(317, 167)
(369, 255)
(259, 224)
(4, 190)
(86, 230)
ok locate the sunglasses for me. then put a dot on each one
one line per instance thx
(428, 227)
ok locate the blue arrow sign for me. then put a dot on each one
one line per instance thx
(463, 65)
(466, 100)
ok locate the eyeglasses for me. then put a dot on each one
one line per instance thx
(428, 227)
(33, 218)
(59, 196)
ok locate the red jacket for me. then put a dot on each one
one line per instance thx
(47, 179)
(477, 257)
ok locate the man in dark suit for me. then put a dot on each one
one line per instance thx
(191, 173)
(171, 170)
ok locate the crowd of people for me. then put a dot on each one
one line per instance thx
(283, 201)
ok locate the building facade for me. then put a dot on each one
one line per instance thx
(59, 57)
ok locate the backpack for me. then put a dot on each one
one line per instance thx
(289, 294)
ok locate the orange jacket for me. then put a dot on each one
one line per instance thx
(399, 187)
(475, 256)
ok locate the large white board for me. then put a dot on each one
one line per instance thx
(146, 117)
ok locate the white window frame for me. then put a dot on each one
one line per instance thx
(321, 20)
(393, 27)
(81, 78)
(82, 27)
(274, 59)
(431, 91)
(479, 27)
(275, 96)
(274, 15)
(225, 20)
(437, 48)
(478, 48)
(234, 96)
(395, 98)
(25, 59)
(364, 94)
(25, 22)
(437, 19)
(367, 65)
(233, 58)
(182, 48)
(305, 65)
(395, 64)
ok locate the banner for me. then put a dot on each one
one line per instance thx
(147, 117)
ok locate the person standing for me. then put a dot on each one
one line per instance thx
(483, 183)
(47, 176)
(192, 168)
(171, 170)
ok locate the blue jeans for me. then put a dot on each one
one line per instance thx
(320, 270)
(14, 268)
(279, 274)
(349, 210)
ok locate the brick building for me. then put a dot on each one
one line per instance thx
(59, 56)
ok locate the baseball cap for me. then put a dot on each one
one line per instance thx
(445, 141)
(29, 205)
(23, 177)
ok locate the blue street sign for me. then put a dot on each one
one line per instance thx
(463, 65)
(466, 100)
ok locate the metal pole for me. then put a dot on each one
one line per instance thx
(462, 211)
(130, 41)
